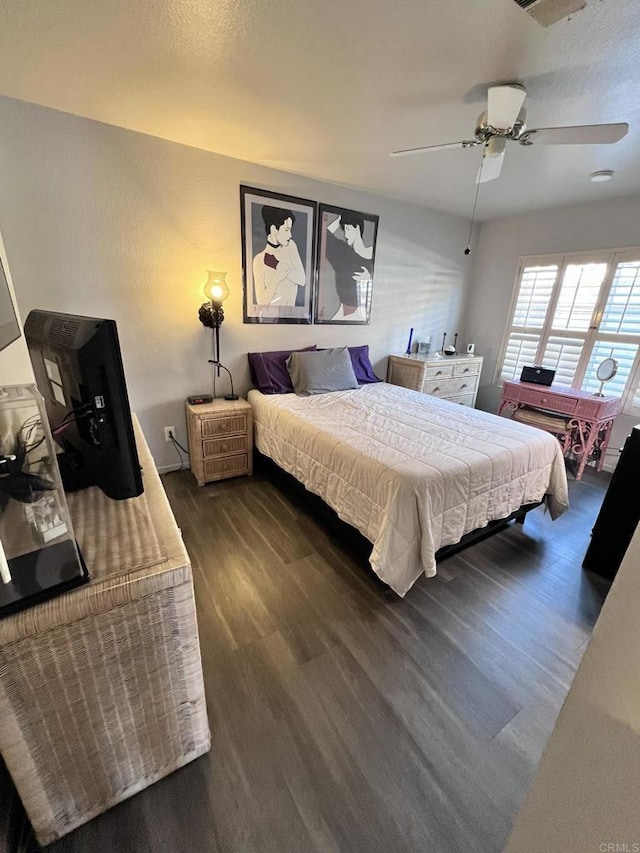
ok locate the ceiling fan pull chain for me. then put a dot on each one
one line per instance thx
(467, 251)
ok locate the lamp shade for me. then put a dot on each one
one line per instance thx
(216, 288)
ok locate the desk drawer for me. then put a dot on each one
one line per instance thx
(552, 402)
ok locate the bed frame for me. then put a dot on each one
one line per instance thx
(350, 535)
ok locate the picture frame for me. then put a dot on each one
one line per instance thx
(345, 266)
(9, 328)
(278, 235)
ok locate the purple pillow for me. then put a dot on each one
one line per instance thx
(361, 365)
(269, 372)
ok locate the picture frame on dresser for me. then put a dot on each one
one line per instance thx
(278, 238)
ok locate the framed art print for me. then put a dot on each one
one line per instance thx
(278, 250)
(346, 257)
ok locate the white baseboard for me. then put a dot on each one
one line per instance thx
(165, 469)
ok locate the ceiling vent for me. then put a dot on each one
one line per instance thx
(548, 12)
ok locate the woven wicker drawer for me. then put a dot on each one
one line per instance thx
(438, 370)
(464, 400)
(566, 405)
(226, 466)
(450, 387)
(468, 368)
(223, 426)
(225, 446)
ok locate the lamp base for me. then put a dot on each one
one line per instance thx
(231, 397)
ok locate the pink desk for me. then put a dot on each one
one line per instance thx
(581, 421)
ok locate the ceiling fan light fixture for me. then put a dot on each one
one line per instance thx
(601, 176)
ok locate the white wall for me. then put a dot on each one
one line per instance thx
(600, 225)
(112, 223)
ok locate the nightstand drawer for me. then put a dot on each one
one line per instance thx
(223, 426)
(224, 446)
(226, 466)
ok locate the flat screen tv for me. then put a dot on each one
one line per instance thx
(78, 370)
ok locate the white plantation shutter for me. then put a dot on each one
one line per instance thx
(521, 350)
(578, 296)
(622, 312)
(536, 287)
(570, 313)
(563, 355)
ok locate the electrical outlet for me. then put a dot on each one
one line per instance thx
(168, 432)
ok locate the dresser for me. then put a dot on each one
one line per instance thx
(454, 377)
(581, 421)
(220, 440)
(101, 688)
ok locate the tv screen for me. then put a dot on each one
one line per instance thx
(78, 370)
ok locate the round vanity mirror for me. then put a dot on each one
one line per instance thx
(607, 369)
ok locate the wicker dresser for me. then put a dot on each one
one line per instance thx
(101, 689)
(454, 378)
(220, 440)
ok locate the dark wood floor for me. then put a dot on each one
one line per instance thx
(344, 718)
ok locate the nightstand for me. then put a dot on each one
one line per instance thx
(454, 378)
(220, 440)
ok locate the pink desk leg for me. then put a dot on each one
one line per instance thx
(588, 433)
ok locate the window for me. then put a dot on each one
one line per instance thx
(572, 311)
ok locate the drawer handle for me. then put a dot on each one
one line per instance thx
(438, 373)
(464, 385)
(437, 388)
(466, 370)
(544, 400)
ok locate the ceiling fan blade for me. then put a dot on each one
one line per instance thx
(408, 152)
(490, 168)
(504, 104)
(588, 134)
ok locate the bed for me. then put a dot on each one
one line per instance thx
(412, 473)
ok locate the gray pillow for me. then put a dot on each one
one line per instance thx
(322, 371)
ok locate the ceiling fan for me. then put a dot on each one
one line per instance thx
(504, 120)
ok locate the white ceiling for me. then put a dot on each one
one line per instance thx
(326, 88)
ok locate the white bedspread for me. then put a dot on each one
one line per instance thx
(411, 472)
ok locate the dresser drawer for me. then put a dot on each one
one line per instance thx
(434, 371)
(554, 402)
(467, 368)
(450, 387)
(223, 426)
(224, 446)
(464, 400)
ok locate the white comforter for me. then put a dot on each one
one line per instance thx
(411, 472)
